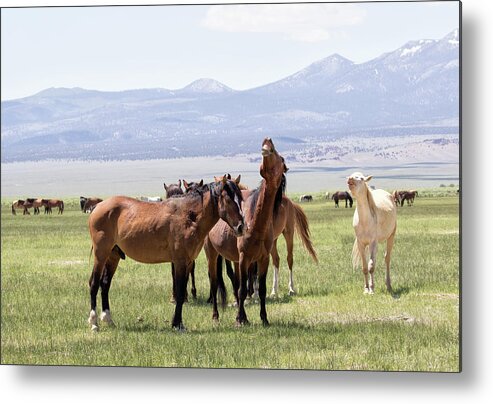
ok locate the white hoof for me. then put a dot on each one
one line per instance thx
(94, 328)
(292, 292)
(106, 318)
(366, 291)
(93, 318)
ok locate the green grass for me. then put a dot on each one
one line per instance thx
(329, 324)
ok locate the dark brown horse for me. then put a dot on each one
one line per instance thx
(256, 244)
(90, 204)
(401, 196)
(170, 231)
(344, 196)
(174, 190)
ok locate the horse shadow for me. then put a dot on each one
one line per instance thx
(402, 290)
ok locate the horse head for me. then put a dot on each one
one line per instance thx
(273, 166)
(357, 182)
(229, 199)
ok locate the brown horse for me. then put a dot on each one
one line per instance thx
(174, 190)
(55, 203)
(38, 203)
(409, 197)
(344, 196)
(19, 204)
(289, 218)
(401, 196)
(28, 204)
(170, 231)
(90, 204)
(256, 244)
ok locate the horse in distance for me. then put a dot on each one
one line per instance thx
(342, 195)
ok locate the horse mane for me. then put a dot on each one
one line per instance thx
(214, 189)
(277, 201)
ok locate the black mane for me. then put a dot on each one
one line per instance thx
(253, 200)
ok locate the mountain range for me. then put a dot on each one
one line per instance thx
(411, 90)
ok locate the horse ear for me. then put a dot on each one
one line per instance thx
(201, 183)
(368, 178)
(165, 187)
(179, 183)
(224, 179)
(185, 184)
(217, 179)
(237, 180)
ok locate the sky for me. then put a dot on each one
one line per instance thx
(243, 46)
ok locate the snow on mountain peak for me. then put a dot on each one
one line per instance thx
(206, 86)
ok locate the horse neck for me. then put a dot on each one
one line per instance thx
(366, 206)
(262, 217)
(207, 215)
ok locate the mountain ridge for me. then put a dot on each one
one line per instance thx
(413, 86)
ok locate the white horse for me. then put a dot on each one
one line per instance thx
(374, 221)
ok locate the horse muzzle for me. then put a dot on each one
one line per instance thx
(239, 230)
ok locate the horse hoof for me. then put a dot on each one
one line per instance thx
(241, 323)
(94, 328)
(366, 291)
(292, 292)
(179, 328)
(265, 323)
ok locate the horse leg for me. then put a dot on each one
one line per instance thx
(262, 266)
(275, 262)
(364, 264)
(109, 271)
(94, 284)
(288, 236)
(173, 294)
(213, 263)
(388, 252)
(231, 275)
(372, 264)
(181, 270)
(241, 317)
(194, 289)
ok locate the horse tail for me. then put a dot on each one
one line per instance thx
(90, 255)
(221, 287)
(13, 209)
(303, 230)
(356, 256)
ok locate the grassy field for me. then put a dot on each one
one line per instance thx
(329, 324)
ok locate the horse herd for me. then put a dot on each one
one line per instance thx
(36, 203)
(232, 223)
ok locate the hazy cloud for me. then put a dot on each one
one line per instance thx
(301, 22)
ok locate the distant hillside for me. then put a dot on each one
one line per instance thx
(412, 90)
